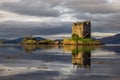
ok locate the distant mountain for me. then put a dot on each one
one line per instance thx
(14, 41)
(111, 39)
(58, 40)
(39, 38)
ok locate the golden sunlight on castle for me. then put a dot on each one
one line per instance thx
(82, 29)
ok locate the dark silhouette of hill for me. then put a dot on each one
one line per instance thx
(111, 39)
(18, 40)
(14, 40)
(39, 38)
(58, 40)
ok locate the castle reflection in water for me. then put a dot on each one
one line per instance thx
(81, 58)
(81, 55)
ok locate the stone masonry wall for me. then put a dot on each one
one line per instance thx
(82, 29)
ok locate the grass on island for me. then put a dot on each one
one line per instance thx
(77, 40)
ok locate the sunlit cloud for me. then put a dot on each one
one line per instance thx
(101, 35)
(110, 1)
(8, 1)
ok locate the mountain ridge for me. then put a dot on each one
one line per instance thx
(18, 40)
(111, 39)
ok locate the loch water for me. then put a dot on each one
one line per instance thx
(43, 62)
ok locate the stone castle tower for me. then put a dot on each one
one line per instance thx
(82, 29)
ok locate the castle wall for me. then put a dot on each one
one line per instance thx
(82, 29)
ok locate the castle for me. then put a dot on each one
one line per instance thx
(82, 29)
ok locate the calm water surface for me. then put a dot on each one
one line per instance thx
(59, 62)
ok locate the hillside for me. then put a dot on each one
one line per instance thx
(111, 39)
(18, 40)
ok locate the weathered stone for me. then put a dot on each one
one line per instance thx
(82, 29)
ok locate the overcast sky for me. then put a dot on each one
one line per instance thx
(55, 17)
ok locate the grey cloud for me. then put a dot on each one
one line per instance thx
(8, 29)
(46, 8)
(18, 29)
(31, 7)
(91, 6)
(102, 22)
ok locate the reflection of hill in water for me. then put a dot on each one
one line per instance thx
(70, 48)
(32, 48)
(29, 48)
(115, 49)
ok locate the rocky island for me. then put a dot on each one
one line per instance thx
(81, 35)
